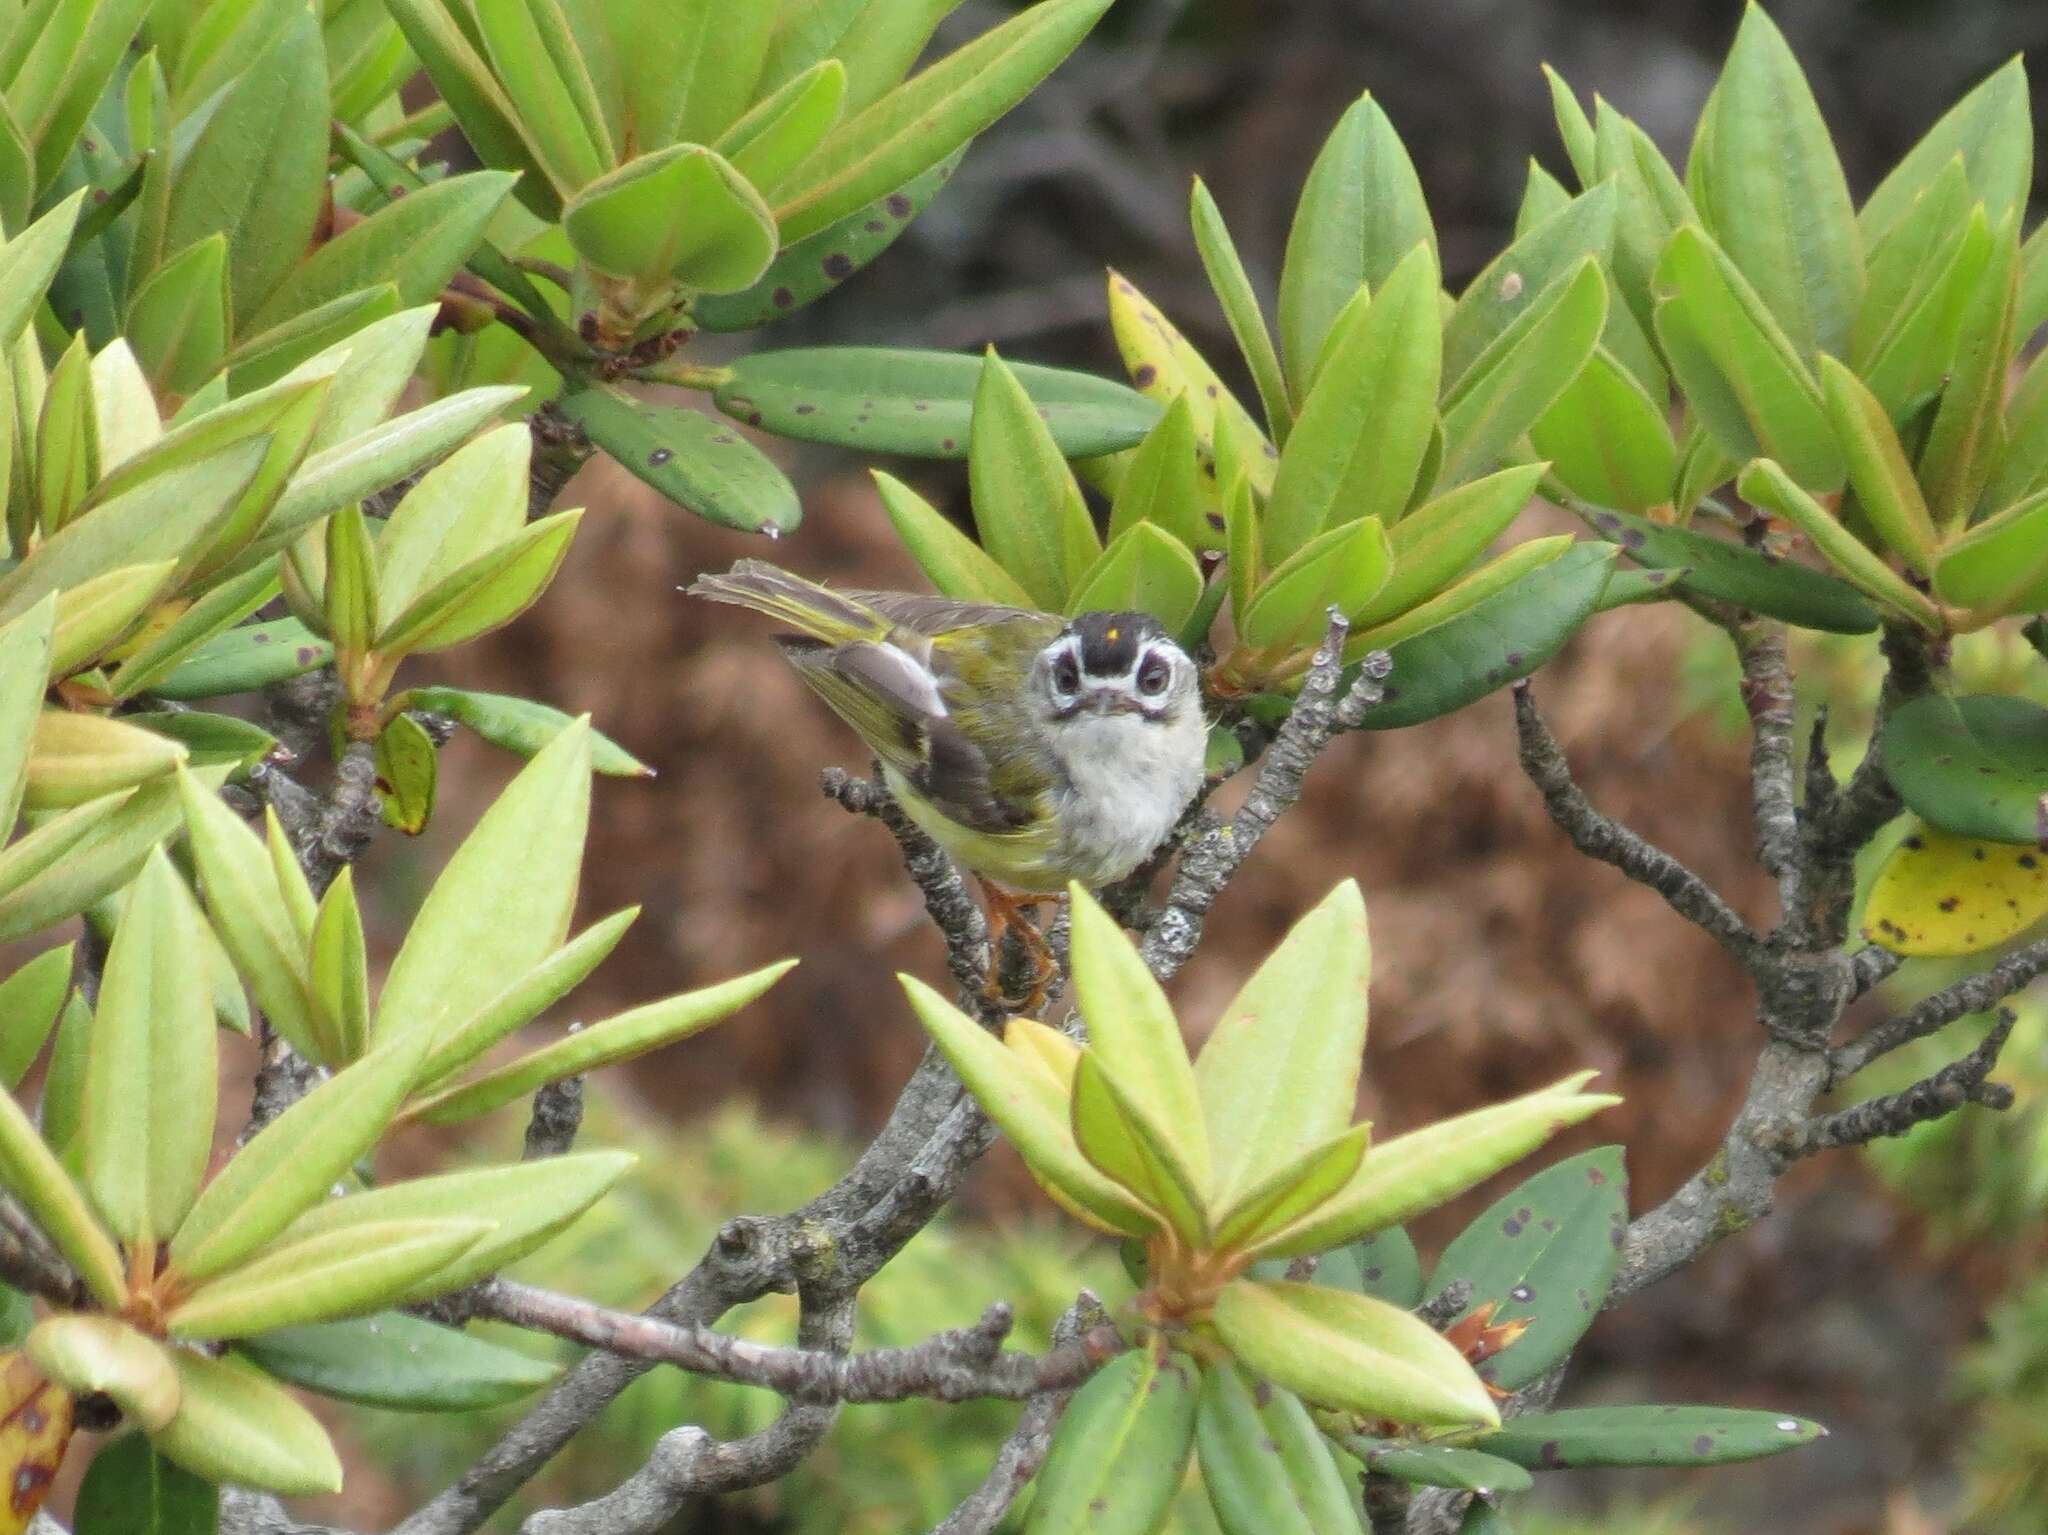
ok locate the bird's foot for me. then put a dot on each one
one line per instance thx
(1014, 939)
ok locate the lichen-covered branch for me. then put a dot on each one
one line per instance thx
(954, 1366)
(1973, 994)
(1956, 1084)
(1767, 695)
(1598, 836)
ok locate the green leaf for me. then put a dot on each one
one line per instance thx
(1510, 285)
(235, 1425)
(452, 59)
(86, 854)
(1162, 482)
(1133, 1034)
(292, 1162)
(32, 1175)
(526, 1203)
(1975, 766)
(323, 1278)
(1907, 257)
(1573, 128)
(30, 1000)
(1738, 367)
(80, 757)
(131, 1490)
(1542, 196)
(99, 1354)
(2000, 565)
(66, 444)
(349, 598)
(1438, 541)
(541, 71)
(27, 263)
(1264, 1462)
(2033, 295)
(485, 594)
(806, 270)
(925, 119)
(1027, 506)
(1645, 1436)
(256, 173)
(24, 675)
(690, 456)
(1120, 1452)
(259, 360)
(150, 1071)
(1505, 636)
(621, 1037)
(1521, 373)
(1774, 194)
(1139, 1154)
(1291, 1191)
(243, 660)
(1910, 359)
(1543, 1253)
(2022, 467)
(1651, 203)
(75, 55)
(167, 517)
(1365, 424)
(1749, 578)
(526, 997)
(1607, 440)
(682, 214)
(340, 970)
(1387, 1265)
(1279, 1072)
(1032, 1108)
(882, 400)
(503, 901)
(1351, 1352)
(1233, 288)
(1361, 212)
(251, 916)
(1425, 1168)
(1878, 470)
(1964, 443)
(400, 1363)
(1990, 130)
(178, 321)
(776, 134)
(1440, 1465)
(521, 725)
(1145, 570)
(1767, 485)
(464, 507)
(953, 562)
(1341, 569)
(416, 243)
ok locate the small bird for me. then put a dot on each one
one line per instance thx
(1033, 749)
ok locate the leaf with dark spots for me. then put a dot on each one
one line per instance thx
(813, 267)
(1440, 1465)
(1523, 1271)
(1749, 578)
(1645, 1436)
(691, 457)
(1975, 766)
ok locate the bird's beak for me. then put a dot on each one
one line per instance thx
(1111, 701)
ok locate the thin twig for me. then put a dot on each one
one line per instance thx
(1973, 994)
(1955, 1085)
(953, 1366)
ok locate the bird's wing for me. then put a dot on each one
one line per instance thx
(934, 616)
(915, 710)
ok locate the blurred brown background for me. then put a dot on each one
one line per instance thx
(1502, 959)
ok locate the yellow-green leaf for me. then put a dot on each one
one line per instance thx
(1938, 894)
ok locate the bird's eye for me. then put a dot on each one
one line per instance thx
(1153, 675)
(1066, 673)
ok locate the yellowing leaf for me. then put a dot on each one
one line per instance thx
(1939, 894)
(35, 1431)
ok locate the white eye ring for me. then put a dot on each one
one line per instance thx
(1066, 673)
(1154, 673)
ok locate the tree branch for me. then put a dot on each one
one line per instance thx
(958, 1365)
(1973, 994)
(1598, 836)
(1767, 695)
(1956, 1084)
(1215, 852)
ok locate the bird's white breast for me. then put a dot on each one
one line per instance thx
(1128, 780)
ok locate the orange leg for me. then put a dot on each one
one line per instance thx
(1007, 916)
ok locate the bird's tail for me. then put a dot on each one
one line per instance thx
(805, 606)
